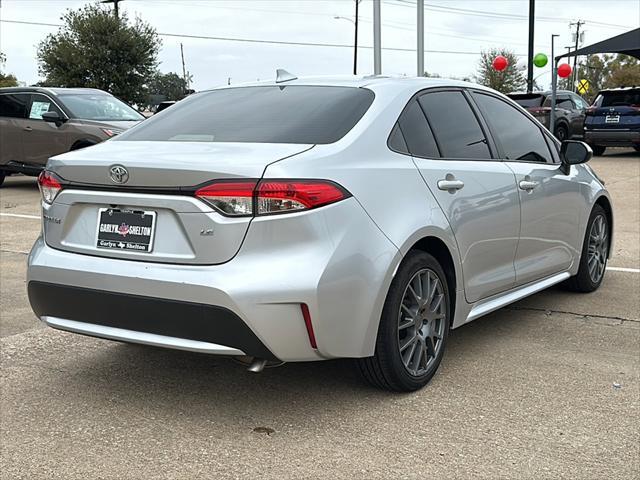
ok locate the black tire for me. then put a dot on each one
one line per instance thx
(2, 176)
(636, 148)
(562, 133)
(386, 368)
(598, 149)
(583, 281)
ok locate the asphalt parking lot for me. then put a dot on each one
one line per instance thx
(546, 388)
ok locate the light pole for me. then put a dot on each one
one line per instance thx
(420, 27)
(554, 86)
(532, 14)
(377, 39)
(355, 40)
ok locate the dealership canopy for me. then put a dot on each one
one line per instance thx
(627, 43)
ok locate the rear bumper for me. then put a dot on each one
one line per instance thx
(612, 139)
(154, 321)
(334, 259)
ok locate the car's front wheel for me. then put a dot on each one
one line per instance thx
(2, 175)
(598, 150)
(562, 133)
(413, 328)
(595, 252)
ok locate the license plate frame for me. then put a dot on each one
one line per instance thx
(113, 235)
(612, 119)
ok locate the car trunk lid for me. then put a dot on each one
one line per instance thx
(96, 216)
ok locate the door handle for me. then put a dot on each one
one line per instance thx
(450, 185)
(27, 129)
(527, 185)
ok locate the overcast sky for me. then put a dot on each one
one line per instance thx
(465, 27)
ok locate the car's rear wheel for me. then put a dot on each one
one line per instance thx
(2, 176)
(413, 328)
(595, 252)
(562, 132)
(636, 148)
(598, 149)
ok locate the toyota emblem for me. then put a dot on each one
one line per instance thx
(118, 174)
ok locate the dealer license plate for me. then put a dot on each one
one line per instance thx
(130, 230)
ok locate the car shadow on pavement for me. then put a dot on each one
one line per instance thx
(180, 380)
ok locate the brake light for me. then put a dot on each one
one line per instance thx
(234, 198)
(279, 196)
(50, 186)
(250, 197)
(539, 110)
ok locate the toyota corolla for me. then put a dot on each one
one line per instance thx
(319, 218)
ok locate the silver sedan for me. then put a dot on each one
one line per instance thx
(318, 218)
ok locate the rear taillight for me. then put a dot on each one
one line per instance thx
(250, 197)
(280, 196)
(233, 198)
(50, 186)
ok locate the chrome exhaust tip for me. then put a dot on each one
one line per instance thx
(257, 365)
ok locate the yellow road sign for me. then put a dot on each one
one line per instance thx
(583, 86)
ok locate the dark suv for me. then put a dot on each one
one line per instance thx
(38, 123)
(570, 111)
(614, 120)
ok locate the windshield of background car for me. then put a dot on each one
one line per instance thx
(626, 98)
(528, 101)
(267, 114)
(99, 107)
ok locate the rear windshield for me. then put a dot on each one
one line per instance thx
(528, 101)
(626, 98)
(278, 114)
(98, 107)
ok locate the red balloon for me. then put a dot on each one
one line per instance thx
(500, 63)
(564, 70)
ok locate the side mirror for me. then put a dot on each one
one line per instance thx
(53, 117)
(573, 152)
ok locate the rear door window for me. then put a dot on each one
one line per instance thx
(396, 140)
(14, 105)
(416, 132)
(519, 137)
(455, 126)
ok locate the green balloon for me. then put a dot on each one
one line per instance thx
(540, 60)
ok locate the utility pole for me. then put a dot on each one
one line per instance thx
(532, 16)
(115, 6)
(184, 70)
(355, 42)
(574, 75)
(420, 27)
(377, 47)
(554, 86)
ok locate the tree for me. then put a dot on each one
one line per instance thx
(594, 70)
(623, 71)
(96, 49)
(6, 79)
(166, 86)
(508, 80)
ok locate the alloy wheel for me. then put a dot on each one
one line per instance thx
(421, 321)
(598, 248)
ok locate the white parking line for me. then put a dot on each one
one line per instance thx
(19, 215)
(37, 217)
(624, 269)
